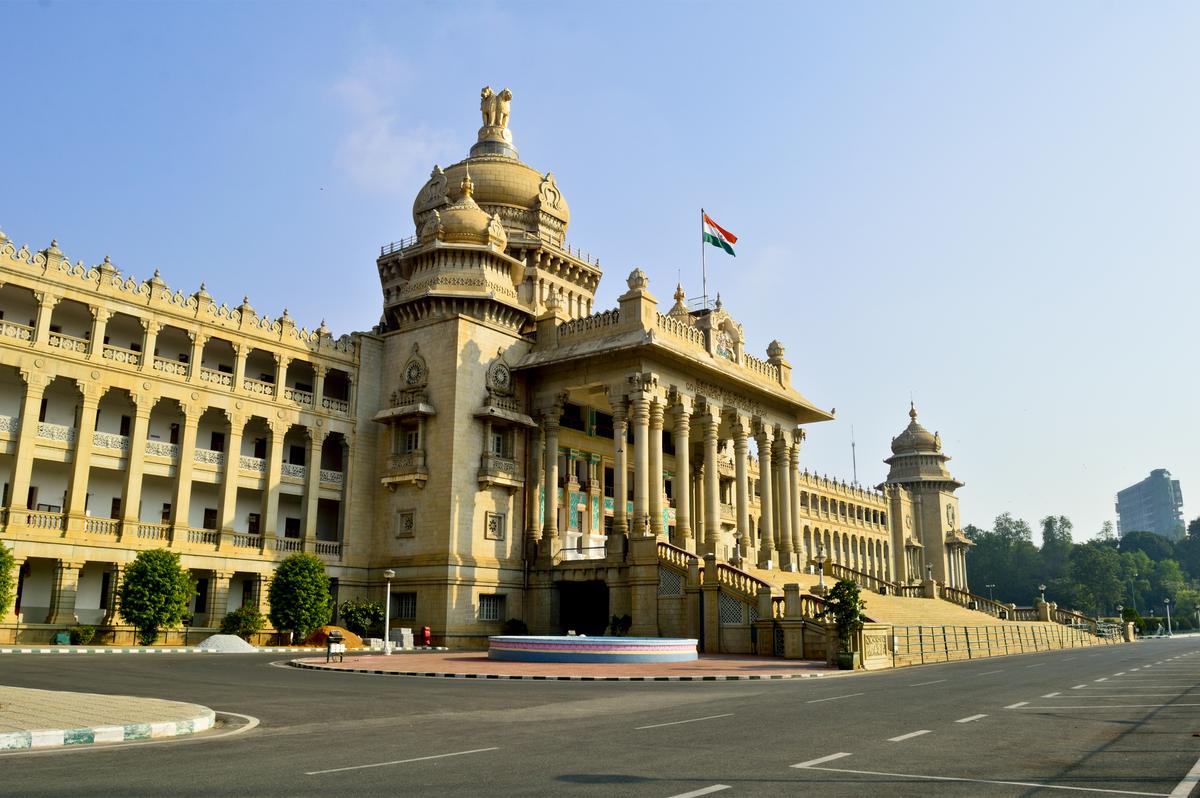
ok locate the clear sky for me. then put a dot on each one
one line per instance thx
(989, 206)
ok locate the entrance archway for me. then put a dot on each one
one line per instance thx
(583, 607)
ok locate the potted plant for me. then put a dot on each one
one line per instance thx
(844, 608)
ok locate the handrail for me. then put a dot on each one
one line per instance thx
(973, 602)
(738, 580)
(675, 556)
(869, 581)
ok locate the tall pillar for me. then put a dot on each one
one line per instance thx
(12, 615)
(135, 463)
(533, 487)
(41, 328)
(741, 458)
(271, 478)
(100, 317)
(683, 474)
(35, 389)
(640, 407)
(229, 478)
(183, 468)
(620, 466)
(111, 614)
(281, 367)
(312, 487)
(799, 556)
(699, 508)
(240, 353)
(261, 584)
(196, 358)
(63, 589)
(149, 341)
(711, 423)
(787, 560)
(82, 463)
(655, 470)
(550, 522)
(218, 597)
(766, 549)
(319, 373)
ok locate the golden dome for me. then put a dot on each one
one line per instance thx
(915, 438)
(463, 221)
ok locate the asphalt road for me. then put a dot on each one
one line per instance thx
(1117, 720)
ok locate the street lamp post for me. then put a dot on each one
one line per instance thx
(991, 594)
(1167, 604)
(389, 575)
(1133, 591)
(820, 561)
(1042, 590)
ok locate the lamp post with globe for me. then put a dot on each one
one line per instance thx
(389, 575)
(1167, 604)
(820, 561)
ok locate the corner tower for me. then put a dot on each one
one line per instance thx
(924, 507)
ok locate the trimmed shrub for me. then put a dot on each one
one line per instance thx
(299, 596)
(8, 579)
(155, 593)
(245, 622)
(82, 635)
(361, 616)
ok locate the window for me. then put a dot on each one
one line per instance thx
(252, 522)
(495, 525)
(500, 444)
(126, 421)
(105, 588)
(166, 513)
(405, 606)
(260, 447)
(609, 476)
(210, 518)
(491, 607)
(407, 439)
(296, 455)
(201, 595)
(115, 511)
(217, 442)
(406, 526)
(291, 527)
(174, 434)
(573, 417)
(604, 425)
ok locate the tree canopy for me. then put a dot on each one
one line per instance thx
(155, 593)
(299, 596)
(8, 578)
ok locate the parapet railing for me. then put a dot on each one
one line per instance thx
(863, 579)
(676, 557)
(739, 581)
(941, 643)
(971, 601)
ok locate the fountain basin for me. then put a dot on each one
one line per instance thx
(526, 648)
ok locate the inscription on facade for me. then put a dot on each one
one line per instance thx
(724, 397)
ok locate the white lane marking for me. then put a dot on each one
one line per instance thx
(1079, 687)
(400, 761)
(1131, 670)
(812, 762)
(1068, 659)
(1017, 705)
(251, 722)
(984, 781)
(1122, 673)
(909, 736)
(1184, 788)
(922, 684)
(1051, 695)
(1101, 679)
(832, 698)
(970, 718)
(1115, 706)
(989, 673)
(1037, 665)
(702, 791)
(677, 722)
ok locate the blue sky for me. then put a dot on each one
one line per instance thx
(987, 206)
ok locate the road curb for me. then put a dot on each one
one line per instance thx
(507, 677)
(60, 738)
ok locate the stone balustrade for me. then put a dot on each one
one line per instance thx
(293, 470)
(221, 378)
(147, 531)
(68, 343)
(102, 526)
(56, 432)
(172, 367)
(258, 387)
(331, 477)
(327, 548)
(160, 449)
(116, 354)
(20, 332)
(209, 457)
(298, 396)
(108, 440)
(256, 464)
(10, 424)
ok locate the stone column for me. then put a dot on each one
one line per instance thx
(319, 373)
(533, 487)
(114, 583)
(240, 352)
(261, 602)
(196, 358)
(151, 329)
(100, 317)
(550, 521)
(698, 505)
(766, 549)
(655, 470)
(787, 559)
(218, 596)
(41, 328)
(312, 487)
(82, 463)
(800, 556)
(135, 463)
(281, 366)
(35, 389)
(620, 466)
(12, 615)
(741, 461)
(711, 422)
(229, 478)
(683, 474)
(183, 469)
(640, 412)
(63, 589)
(271, 479)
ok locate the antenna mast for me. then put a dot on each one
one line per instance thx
(853, 455)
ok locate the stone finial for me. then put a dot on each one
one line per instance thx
(912, 411)
(466, 186)
(638, 281)
(3, 237)
(203, 294)
(107, 266)
(717, 304)
(775, 350)
(285, 315)
(679, 294)
(323, 330)
(54, 250)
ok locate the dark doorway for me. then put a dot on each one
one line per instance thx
(583, 608)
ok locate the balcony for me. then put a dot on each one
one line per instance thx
(10, 424)
(56, 432)
(332, 477)
(19, 332)
(335, 405)
(298, 396)
(69, 343)
(203, 537)
(160, 449)
(156, 532)
(498, 471)
(329, 548)
(221, 378)
(256, 464)
(126, 357)
(258, 387)
(294, 471)
(102, 526)
(247, 540)
(209, 457)
(171, 367)
(107, 440)
(289, 544)
(406, 469)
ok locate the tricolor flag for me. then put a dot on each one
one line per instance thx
(718, 236)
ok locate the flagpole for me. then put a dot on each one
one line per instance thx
(703, 262)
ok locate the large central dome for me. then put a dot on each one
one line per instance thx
(528, 202)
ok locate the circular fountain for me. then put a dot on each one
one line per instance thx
(568, 648)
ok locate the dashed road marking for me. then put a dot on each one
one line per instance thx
(813, 762)
(677, 722)
(922, 684)
(809, 766)
(1079, 687)
(400, 761)
(832, 698)
(989, 673)
(702, 791)
(1017, 705)
(1036, 665)
(970, 718)
(1101, 679)
(909, 736)
(1051, 695)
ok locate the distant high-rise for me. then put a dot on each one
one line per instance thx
(1153, 505)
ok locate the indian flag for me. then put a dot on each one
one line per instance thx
(718, 236)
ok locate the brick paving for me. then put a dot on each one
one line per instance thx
(477, 665)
